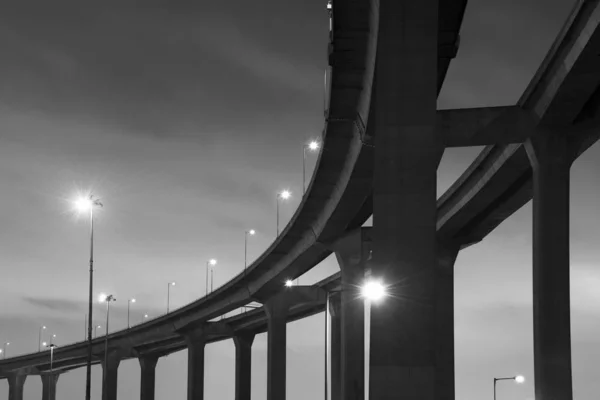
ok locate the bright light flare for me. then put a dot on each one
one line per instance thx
(145, 315)
(133, 300)
(83, 204)
(102, 297)
(252, 232)
(373, 290)
(44, 344)
(285, 194)
(519, 379)
(43, 327)
(212, 262)
(172, 283)
(314, 145)
(289, 283)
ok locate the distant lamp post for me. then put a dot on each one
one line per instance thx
(51, 347)
(283, 195)
(210, 263)
(250, 232)
(108, 299)
(96, 330)
(84, 204)
(169, 294)
(311, 146)
(144, 318)
(518, 379)
(40, 337)
(4, 349)
(129, 301)
(52, 339)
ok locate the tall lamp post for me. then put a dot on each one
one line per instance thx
(284, 194)
(169, 294)
(88, 204)
(129, 301)
(52, 339)
(210, 263)
(518, 379)
(52, 380)
(312, 146)
(250, 232)
(40, 337)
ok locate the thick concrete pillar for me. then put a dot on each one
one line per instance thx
(277, 310)
(243, 365)
(15, 386)
(148, 377)
(336, 345)
(110, 375)
(196, 341)
(551, 162)
(444, 322)
(407, 153)
(49, 385)
(352, 253)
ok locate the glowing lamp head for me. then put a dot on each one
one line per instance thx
(102, 297)
(172, 283)
(145, 315)
(44, 344)
(314, 145)
(212, 262)
(373, 290)
(289, 283)
(519, 379)
(53, 336)
(83, 204)
(133, 300)
(252, 232)
(43, 327)
(285, 194)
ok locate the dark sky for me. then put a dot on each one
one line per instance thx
(187, 118)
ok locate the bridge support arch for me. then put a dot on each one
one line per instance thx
(16, 382)
(49, 385)
(243, 364)
(147, 376)
(110, 375)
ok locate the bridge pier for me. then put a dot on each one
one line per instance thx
(49, 385)
(110, 375)
(352, 253)
(15, 386)
(551, 162)
(277, 308)
(147, 376)
(196, 342)
(408, 149)
(336, 346)
(243, 365)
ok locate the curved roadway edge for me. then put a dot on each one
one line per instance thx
(563, 95)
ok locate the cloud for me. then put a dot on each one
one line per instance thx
(54, 304)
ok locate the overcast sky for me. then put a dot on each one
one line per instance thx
(186, 119)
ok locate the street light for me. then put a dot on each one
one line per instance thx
(96, 331)
(169, 294)
(144, 317)
(129, 301)
(312, 146)
(284, 194)
(518, 379)
(251, 232)
(371, 290)
(108, 299)
(52, 380)
(212, 262)
(40, 338)
(4, 350)
(84, 204)
(289, 283)
(52, 339)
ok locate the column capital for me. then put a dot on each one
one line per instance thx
(148, 361)
(243, 338)
(547, 147)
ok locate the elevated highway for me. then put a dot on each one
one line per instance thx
(563, 96)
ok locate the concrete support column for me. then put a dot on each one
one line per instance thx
(444, 322)
(148, 377)
(110, 375)
(550, 159)
(408, 149)
(15, 386)
(277, 310)
(196, 341)
(49, 385)
(243, 365)
(336, 346)
(352, 253)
